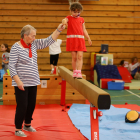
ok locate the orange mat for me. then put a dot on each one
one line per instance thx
(50, 122)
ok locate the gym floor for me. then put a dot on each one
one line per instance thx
(124, 96)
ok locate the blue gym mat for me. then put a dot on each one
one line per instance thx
(112, 124)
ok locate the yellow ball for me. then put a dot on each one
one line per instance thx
(132, 116)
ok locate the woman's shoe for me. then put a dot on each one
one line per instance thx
(31, 129)
(20, 133)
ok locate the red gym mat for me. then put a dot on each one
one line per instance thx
(50, 122)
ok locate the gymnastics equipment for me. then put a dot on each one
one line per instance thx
(96, 59)
(49, 92)
(92, 93)
(96, 96)
(132, 116)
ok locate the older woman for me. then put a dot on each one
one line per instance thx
(25, 77)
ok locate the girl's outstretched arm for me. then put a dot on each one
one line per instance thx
(86, 35)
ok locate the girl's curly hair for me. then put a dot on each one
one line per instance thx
(76, 6)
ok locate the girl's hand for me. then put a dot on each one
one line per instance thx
(64, 22)
(20, 85)
(89, 41)
(61, 27)
(3, 61)
(6, 62)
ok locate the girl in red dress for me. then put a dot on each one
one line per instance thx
(75, 37)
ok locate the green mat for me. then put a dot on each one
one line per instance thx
(135, 84)
(123, 96)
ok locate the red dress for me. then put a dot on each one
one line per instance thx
(75, 35)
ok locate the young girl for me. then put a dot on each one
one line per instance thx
(75, 37)
(54, 51)
(5, 56)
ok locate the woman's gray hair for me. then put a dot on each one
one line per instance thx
(26, 30)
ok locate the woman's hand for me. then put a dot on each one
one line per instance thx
(61, 27)
(18, 82)
(20, 85)
(56, 33)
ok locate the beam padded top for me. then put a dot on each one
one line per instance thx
(96, 96)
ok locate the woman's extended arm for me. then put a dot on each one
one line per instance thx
(43, 43)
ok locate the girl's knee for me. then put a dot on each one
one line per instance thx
(80, 57)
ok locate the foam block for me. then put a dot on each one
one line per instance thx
(103, 83)
(126, 76)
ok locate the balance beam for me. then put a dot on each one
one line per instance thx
(92, 93)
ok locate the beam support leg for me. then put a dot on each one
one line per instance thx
(94, 122)
(63, 92)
